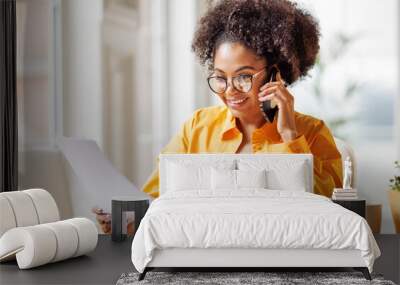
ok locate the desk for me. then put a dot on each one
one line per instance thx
(104, 265)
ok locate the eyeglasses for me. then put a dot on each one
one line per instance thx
(242, 83)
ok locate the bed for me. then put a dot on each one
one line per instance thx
(246, 211)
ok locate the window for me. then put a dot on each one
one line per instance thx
(354, 84)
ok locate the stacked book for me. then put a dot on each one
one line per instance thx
(344, 194)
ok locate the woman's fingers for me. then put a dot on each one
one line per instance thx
(272, 96)
(279, 82)
(275, 99)
(278, 98)
(268, 91)
(286, 96)
(271, 84)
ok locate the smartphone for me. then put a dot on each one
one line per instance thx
(269, 108)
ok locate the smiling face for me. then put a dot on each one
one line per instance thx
(234, 59)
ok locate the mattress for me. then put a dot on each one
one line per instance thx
(250, 219)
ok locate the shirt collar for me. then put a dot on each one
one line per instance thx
(268, 131)
(229, 128)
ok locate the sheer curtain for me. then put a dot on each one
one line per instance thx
(40, 163)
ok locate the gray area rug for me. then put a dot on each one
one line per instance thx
(230, 278)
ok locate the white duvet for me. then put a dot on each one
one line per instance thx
(253, 218)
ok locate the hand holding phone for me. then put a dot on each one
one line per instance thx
(269, 108)
(276, 95)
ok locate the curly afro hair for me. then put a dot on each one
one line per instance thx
(277, 30)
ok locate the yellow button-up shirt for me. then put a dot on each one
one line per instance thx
(214, 130)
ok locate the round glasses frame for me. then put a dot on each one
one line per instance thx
(235, 82)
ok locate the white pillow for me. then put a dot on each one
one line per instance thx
(293, 180)
(282, 174)
(251, 178)
(193, 173)
(237, 179)
(223, 179)
(181, 177)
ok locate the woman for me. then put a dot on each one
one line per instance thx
(239, 41)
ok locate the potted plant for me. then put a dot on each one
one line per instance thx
(394, 198)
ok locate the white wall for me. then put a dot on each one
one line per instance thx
(374, 169)
(82, 92)
(397, 107)
(178, 81)
(182, 65)
(159, 72)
